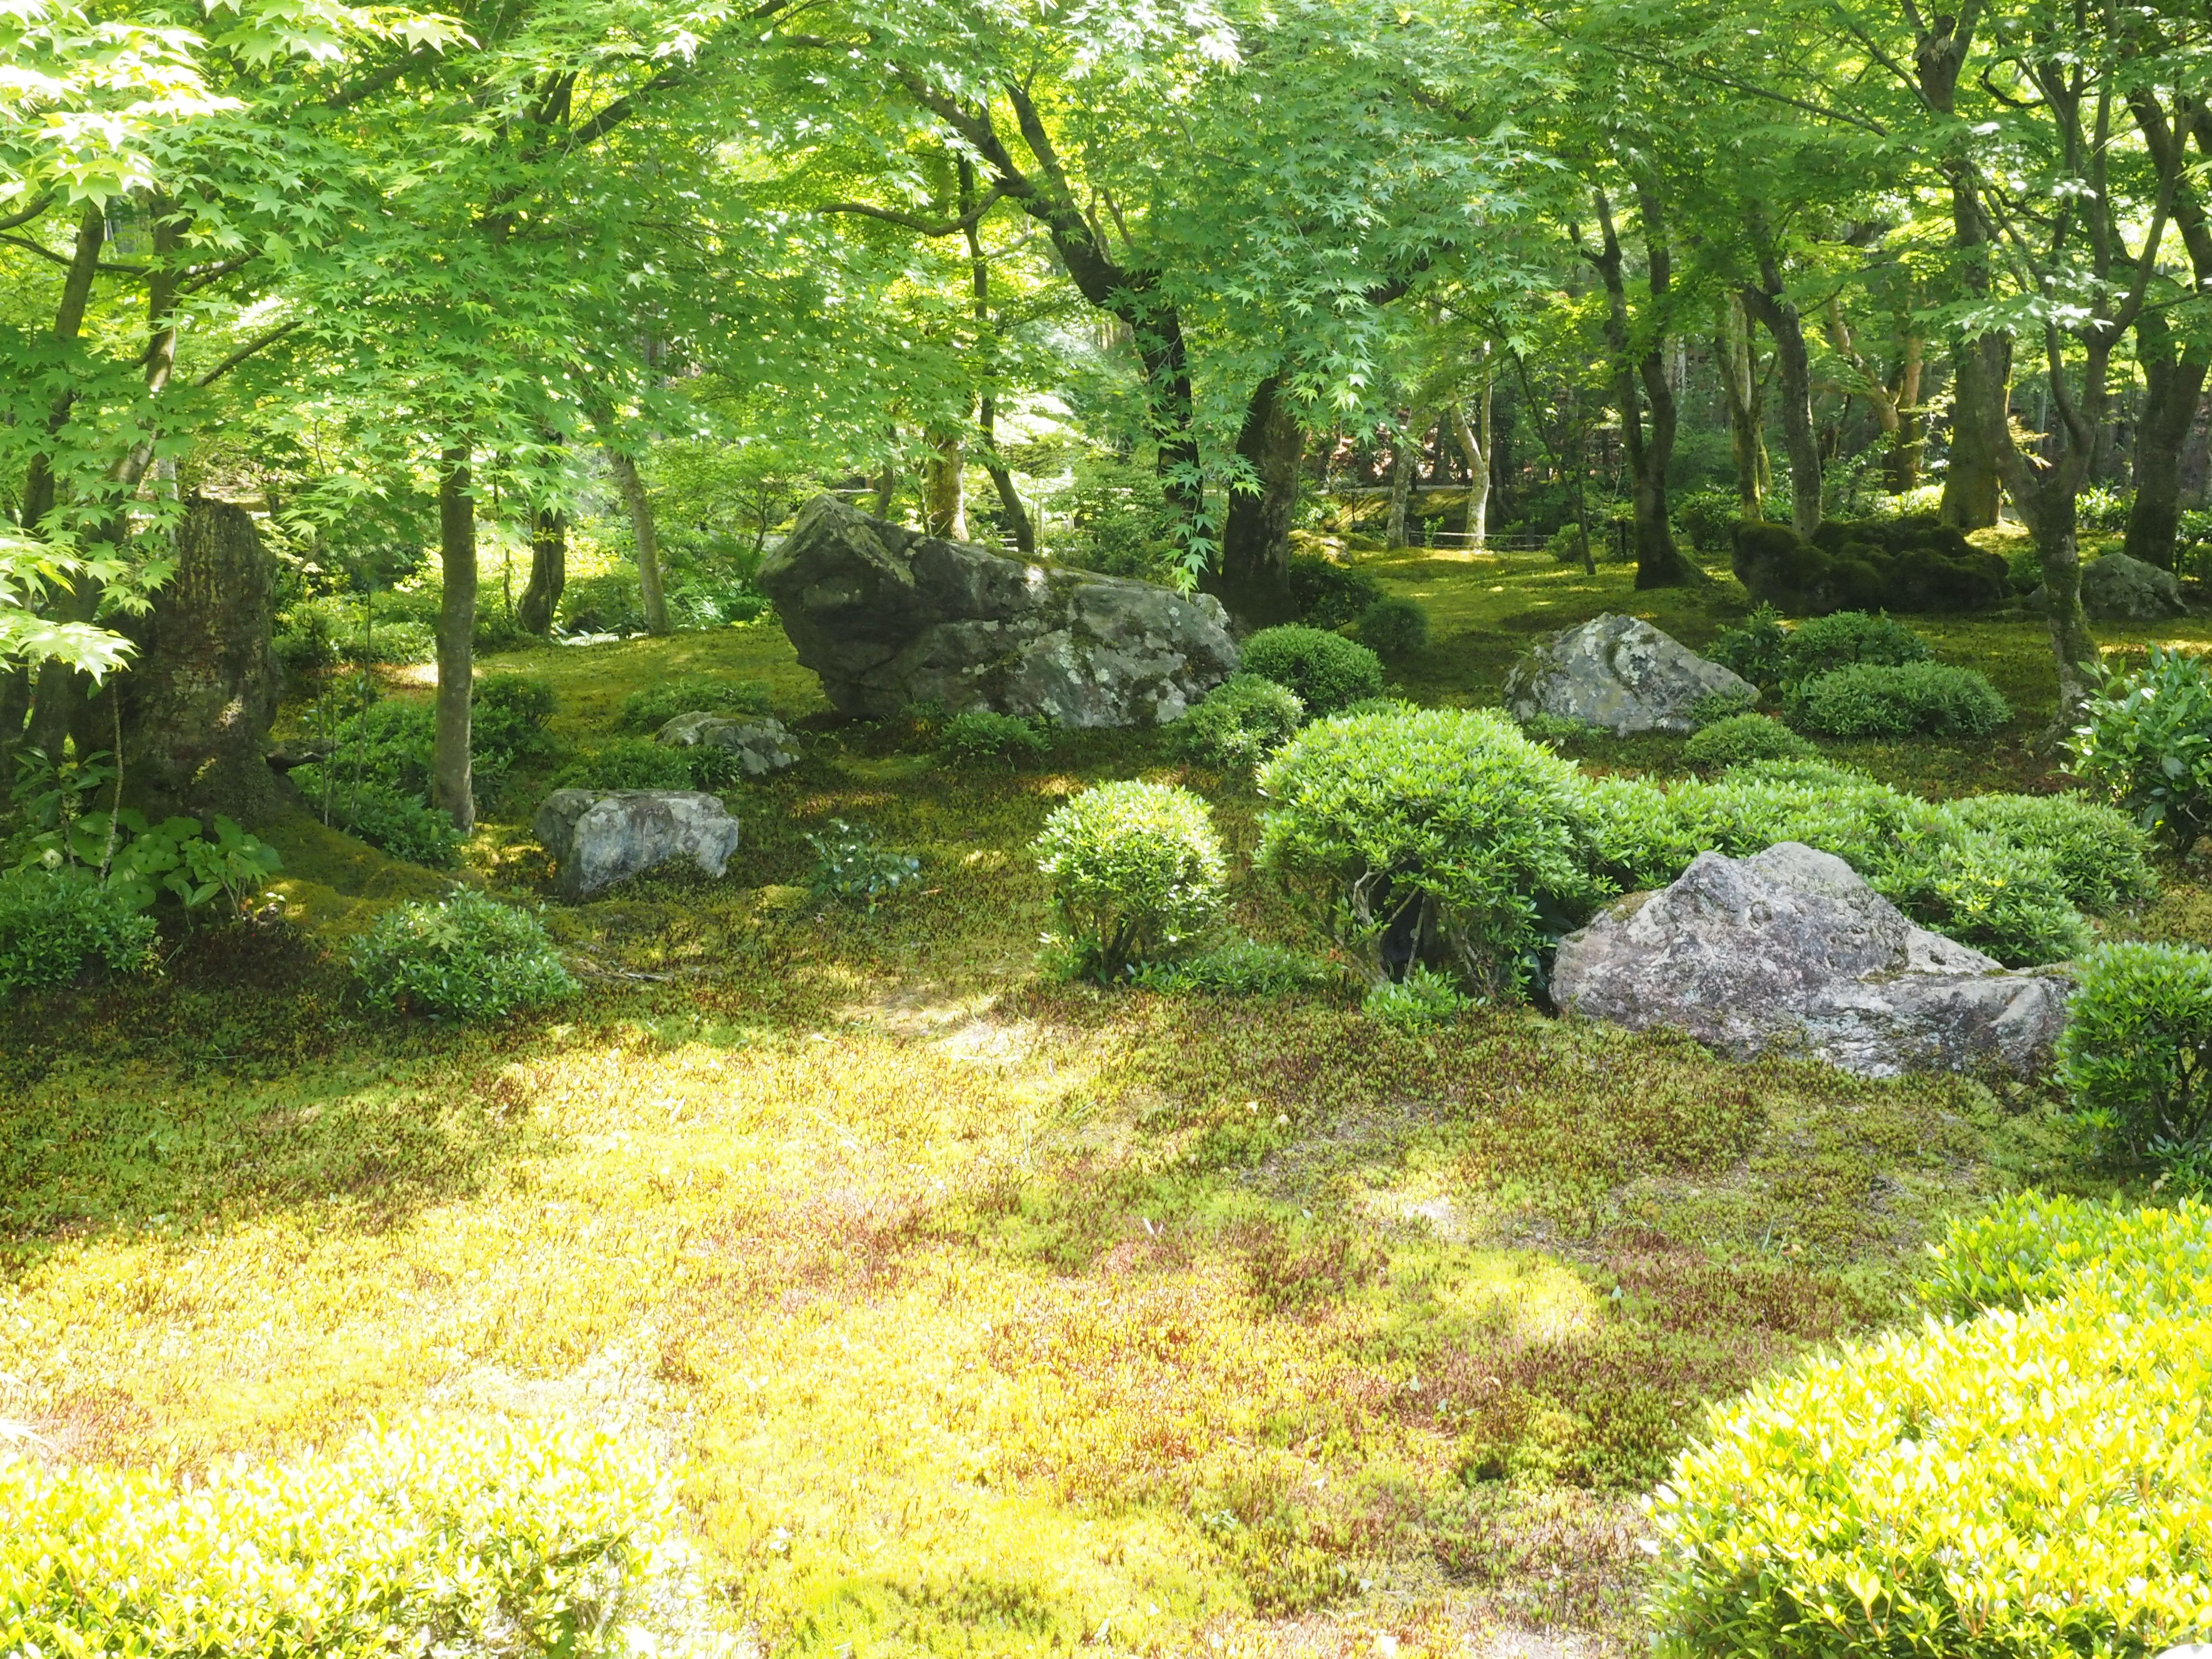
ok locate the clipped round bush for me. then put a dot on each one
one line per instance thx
(2147, 742)
(466, 956)
(57, 926)
(1329, 594)
(1136, 872)
(2102, 859)
(1741, 737)
(980, 738)
(635, 763)
(1326, 671)
(1240, 723)
(1916, 699)
(2137, 1045)
(1843, 637)
(1395, 628)
(1441, 838)
(650, 710)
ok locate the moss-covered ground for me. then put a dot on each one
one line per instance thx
(981, 1314)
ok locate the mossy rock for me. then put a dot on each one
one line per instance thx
(1913, 564)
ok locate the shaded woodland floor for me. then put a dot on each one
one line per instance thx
(979, 1314)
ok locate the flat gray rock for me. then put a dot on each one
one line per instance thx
(889, 618)
(1620, 673)
(761, 746)
(601, 836)
(2116, 588)
(1791, 950)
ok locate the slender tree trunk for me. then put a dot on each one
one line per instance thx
(1770, 304)
(944, 504)
(1002, 479)
(1404, 463)
(549, 572)
(452, 783)
(1909, 433)
(38, 498)
(1473, 437)
(1736, 352)
(987, 406)
(886, 483)
(1981, 416)
(1255, 544)
(651, 600)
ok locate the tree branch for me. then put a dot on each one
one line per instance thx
(967, 220)
(27, 215)
(246, 351)
(64, 262)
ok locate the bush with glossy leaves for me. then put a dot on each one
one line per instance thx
(1328, 672)
(2146, 741)
(1240, 723)
(1137, 874)
(466, 956)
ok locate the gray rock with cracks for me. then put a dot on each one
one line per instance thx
(761, 746)
(1790, 950)
(2116, 588)
(600, 836)
(889, 618)
(1622, 674)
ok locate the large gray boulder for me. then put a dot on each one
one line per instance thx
(601, 836)
(889, 618)
(1620, 673)
(2116, 588)
(1791, 950)
(761, 746)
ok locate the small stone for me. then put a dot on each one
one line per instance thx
(1791, 950)
(889, 618)
(761, 746)
(2116, 588)
(600, 836)
(1622, 674)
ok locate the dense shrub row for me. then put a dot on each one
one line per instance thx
(432, 1539)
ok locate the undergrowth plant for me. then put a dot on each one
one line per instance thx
(1328, 672)
(851, 868)
(1240, 723)
(2147, 742)
(466, 956)
(1137, 874)
(2137, 1045)
(981, 738)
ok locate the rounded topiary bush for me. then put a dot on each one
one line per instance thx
(1915, 699)
(2137, 1045)
(466, 956)
(1395, 628)
(1240, 723)
(1843, 637)
(1136, 872)
(56, 926)
(1742, 737)
(1326, 671)
(1440, 838)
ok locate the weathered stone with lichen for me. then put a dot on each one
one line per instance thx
(600, 836)
(1622, 674)
(889, 618)
(761, 746)
(1791, 950)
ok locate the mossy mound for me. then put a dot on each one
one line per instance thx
(1916, 564)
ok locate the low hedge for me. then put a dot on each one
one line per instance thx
(2028, 1473)
(436, 1538)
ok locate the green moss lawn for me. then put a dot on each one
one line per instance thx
(978, 1314)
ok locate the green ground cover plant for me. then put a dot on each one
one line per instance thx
(1916, 699)
(980, 737)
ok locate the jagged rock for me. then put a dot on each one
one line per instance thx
(2116, 588)
(761, 746)
(1620, 673)
(889, 618)
(1790, 950)
(601, 836)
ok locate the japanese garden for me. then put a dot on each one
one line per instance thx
(1302, 830)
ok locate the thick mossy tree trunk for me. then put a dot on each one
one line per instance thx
(1793, 362)
(944, 503)
(1659, 561)
(1745, 390)
(1405, 462)
(549, 572)
(1255, 543)
(452, 785)
(199, 698)
(2173, 376)
(1981, 397)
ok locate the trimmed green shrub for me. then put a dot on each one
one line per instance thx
(466, 956)
(1240, 969)
(507, 719)
(1240, 723)
(2032, 1481)
(2102, 860)
(1745, 738)
(1423, 998)
(650, 710)
(1326, 671)
(1707, 517)
(1568, 544)
(400, 824)
(2137, 1045)
(423, 1539)
(634, 763)
(1923, 699)
(1329, 594)
(850, 868)
(1754, 647)
(1441, 838)
(57, 926)
(980, 737)
(1715, 707)
(1981, 889)
(1395, 628)
(2146, 743)
(1845, 637)
(1136, 872)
